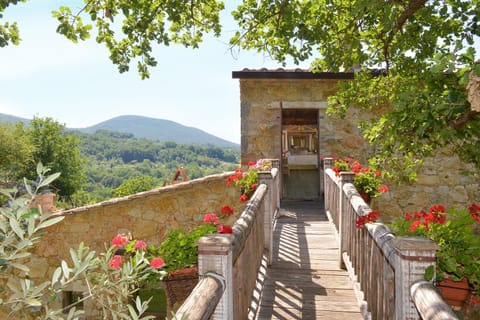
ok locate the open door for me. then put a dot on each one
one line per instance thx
(300, 145)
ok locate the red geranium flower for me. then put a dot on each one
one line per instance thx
(210, 218)
(116, 262)
(415, 225)
(157, 263)
(226, 210)
(140, 245)
(224, 229)
(474, 210)
(383, 188)
(251, 163)
(437, 209)
(368, 218)
(243, 198)
(119, 241)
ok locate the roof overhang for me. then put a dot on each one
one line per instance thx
(289, 74)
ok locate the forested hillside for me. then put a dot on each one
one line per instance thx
(113, 158)
(159, 130)
(104, 164)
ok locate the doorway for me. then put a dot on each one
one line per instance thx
(300, 149)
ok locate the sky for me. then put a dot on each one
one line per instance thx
(77, 85)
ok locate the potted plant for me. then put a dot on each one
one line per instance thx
(180, 253)
(458, 257)
(248, 181)
(367, 180)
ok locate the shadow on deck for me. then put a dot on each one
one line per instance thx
(304, 280)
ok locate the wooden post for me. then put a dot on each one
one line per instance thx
(277, 180)
(327, 164)
(412, 256)
(345, 177)
(204, 298)
(430, 303)
(215, 255)
(269, 207)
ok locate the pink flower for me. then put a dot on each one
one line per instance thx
(227, 210)
(157, 263)
(119, 241)
(140, 245)
(224, 229)
(116, 262)
(210, 218)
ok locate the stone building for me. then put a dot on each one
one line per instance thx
(283, 116)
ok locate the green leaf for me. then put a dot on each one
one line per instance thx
(33, 302)
(56, 275)
(50, 222)
(16, 228)
(46, 182)
(65, 268)
(19, 266)
(429, 273)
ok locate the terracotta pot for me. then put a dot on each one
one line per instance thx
(45, 200)
(455, 293)
(179, 284)
(365, 197)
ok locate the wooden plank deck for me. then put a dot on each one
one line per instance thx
(304, 280)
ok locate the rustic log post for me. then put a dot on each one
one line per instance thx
(412, 255)
(345, 177)
(204, 298)
(277, 180)
(430, 303)
(327, 164)
(215, 256)
(269, 207)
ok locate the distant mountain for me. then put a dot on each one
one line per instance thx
(150, 128)
(9, 118)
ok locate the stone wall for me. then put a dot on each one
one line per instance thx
(147, 216)
(442, 180)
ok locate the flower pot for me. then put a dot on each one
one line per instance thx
(45, 200)
(365, 197)
(455, 293)
(179, 284)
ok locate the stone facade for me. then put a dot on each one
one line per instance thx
(264, 94)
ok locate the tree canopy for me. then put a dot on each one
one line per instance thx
(58, 150)
(424, 49)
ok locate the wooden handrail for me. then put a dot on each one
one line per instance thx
(236, 258)
(382, 266)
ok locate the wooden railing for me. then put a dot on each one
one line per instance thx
(382, 266)
(229, 264)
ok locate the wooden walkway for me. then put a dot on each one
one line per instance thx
(304, 280)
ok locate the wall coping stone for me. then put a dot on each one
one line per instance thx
(170, 188)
